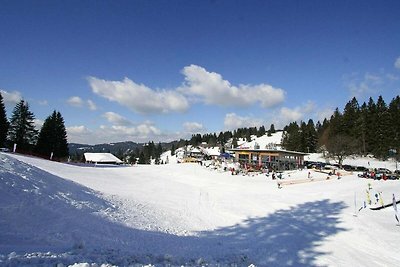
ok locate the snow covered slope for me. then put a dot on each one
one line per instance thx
(181, 214)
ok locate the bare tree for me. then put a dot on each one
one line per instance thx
(341, 146)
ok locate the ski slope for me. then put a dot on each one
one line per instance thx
(185, 214)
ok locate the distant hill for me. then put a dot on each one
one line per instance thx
(118, 148)
(114, 148)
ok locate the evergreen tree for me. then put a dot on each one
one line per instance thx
(394, 112)
(311, 137)
(22, 129)
(382, 129)
(142, 158)
(362, 126)
(291, 139)
(173, 150)
(261, 131)
(132, 158)
(212, 141)
(53, 137)
(336, 123)
(3, 123)
(272, 129)
(234, 142)
(370, 121)
(248, 136)
(158, 152)
(350, 117)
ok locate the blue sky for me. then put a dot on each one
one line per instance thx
(162, 70)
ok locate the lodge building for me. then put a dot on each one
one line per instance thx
(276, 159)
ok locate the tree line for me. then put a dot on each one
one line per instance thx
(229, 138)
(20, 131)
(370, 128)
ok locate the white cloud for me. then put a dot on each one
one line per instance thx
(397, 63)
(139, 97)
(116, 119)
(366, 85)
(290, 115)
(369, 84)
(38, 123)
(91, 105)
(143, 132)
(11, 98)
(392, 77)
(193, 127)
(324, 113)
(233, 121)
(211, 88)
(77, 129)
(287, 115)
(200, 85)
(43, 102)
(75, 101)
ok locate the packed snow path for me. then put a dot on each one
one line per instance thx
(186, 214)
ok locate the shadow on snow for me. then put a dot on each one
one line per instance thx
(47, 213)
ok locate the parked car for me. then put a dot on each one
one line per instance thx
(348, 168)
(383, 170)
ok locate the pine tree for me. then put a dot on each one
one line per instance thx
(261, 131)
(142, 158)
(272, 129)
(370, 121)
(362, 123)
(291, 139)
(382, 129)
(3, 123)
(350, 117)
(234, 142)
(22, 129)
(311, 137)
(336, 123)
(173, 150)
(394, 111)
(53, 137)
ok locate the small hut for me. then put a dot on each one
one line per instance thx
(102, 158)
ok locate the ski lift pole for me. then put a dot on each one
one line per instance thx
(355, 204)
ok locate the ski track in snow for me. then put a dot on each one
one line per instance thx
(184, 214)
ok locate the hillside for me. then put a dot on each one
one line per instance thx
(114, 148)
(186, 214)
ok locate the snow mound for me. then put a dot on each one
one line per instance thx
(55, 214)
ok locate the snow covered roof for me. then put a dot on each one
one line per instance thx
(212, 151)
(195, 150)
(101, 158)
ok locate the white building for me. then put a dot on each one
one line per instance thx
(102, 158)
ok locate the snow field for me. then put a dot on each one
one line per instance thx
(186, 214)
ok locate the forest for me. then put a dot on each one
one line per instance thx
(370, 128)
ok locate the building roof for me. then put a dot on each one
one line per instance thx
(102, 158)
(267, 151)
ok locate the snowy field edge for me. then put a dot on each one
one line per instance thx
(186, 214)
